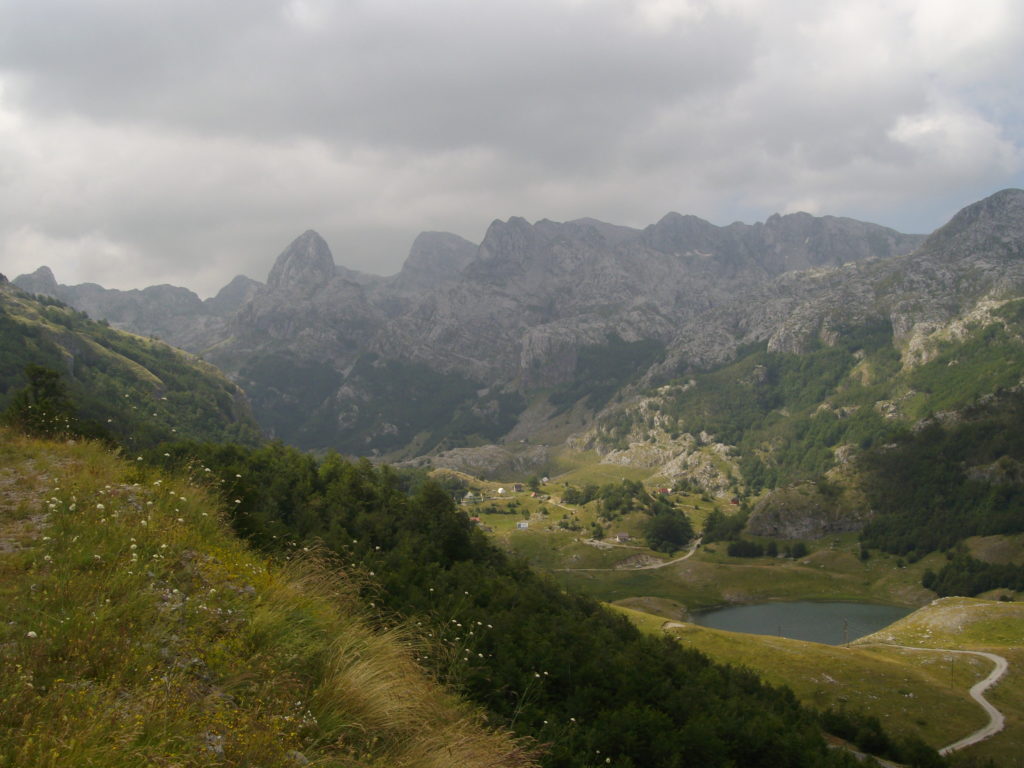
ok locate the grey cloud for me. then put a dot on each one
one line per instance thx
(190, 141)
(534, 77)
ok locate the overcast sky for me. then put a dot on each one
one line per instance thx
(187, 141)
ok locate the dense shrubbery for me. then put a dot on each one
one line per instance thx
(719, 526)
(667, 528)
(555, 666)
(965, 575)
(603, 369)
(866, 732)
(410, 399)
(936, 486)
(745, 548)
(668, 531)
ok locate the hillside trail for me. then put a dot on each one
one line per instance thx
(653, 566)
(996, 720)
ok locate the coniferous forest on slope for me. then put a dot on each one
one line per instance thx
(551, 665)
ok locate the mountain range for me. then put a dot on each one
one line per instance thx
(491, 324)
(819, 376)
(536, 333)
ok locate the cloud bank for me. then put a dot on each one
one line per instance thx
(144, 141)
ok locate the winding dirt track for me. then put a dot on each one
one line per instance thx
(996, 721)
(693, 548)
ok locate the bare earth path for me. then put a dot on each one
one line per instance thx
(996, 721)
(689, 553)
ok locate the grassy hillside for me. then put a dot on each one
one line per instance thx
(786, 413)
(549, 664)
(916, 438)
(912, 692)
(139, 631)
(980, 625)
(138, 390)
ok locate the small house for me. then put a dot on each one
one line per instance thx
(622, 537)
(517, 487)
(522, 525)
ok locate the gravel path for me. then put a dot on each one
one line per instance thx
(996, 721)
(693, 548)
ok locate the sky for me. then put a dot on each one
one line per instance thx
(188, 141)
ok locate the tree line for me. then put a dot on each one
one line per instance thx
(553, 666)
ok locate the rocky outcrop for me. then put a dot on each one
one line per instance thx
(803, 512)
(435, 258)
(489, 461)
(233, 296)
(41, 282)
(304, 267)
(518, 313)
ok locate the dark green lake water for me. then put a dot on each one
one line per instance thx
(829, 623)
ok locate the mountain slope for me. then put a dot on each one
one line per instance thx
(138, 390)
(138, 630)
(489, 328)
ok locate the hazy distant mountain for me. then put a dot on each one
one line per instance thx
(466, 339)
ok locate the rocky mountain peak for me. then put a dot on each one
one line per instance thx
(507, 250)
(799, 241)
(305, 265)
(233, 295)
(41, 282)
(439, 255)
(675, 233)
(992, 223)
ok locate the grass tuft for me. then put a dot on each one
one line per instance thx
(139, 631)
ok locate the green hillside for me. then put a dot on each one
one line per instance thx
(912, 692)
(139, 391)
(551, 665)
(138, 630)
(920, 441)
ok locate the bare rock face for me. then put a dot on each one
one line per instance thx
(802, 512)
(308, 307)
(530, 307)
(304, 267)
(437, 257)
(41, 282)
(167, 312)
(233, 296)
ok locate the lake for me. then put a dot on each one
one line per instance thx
(829, 623)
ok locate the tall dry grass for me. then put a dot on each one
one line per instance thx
(139, 631)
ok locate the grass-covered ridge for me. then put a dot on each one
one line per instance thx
(919, 694)
(138, 630)
(139, 391)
